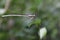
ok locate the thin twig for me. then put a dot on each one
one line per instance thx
(7, 4)
(19, 15)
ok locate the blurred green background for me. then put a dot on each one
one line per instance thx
(47, 14)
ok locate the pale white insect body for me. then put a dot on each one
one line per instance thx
(42, 32)
(2, 11)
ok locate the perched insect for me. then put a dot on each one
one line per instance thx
(42, 32)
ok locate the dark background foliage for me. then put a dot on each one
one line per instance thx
(47, 14)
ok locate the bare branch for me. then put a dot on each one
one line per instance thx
(7, 4)
(19, 15)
